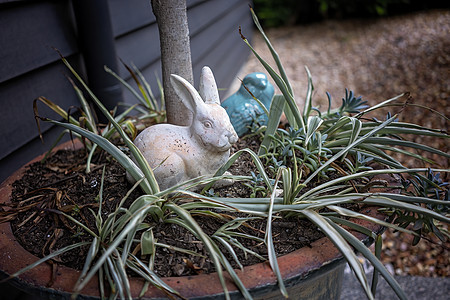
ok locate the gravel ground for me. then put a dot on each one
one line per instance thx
(377, 59)
(415, 287)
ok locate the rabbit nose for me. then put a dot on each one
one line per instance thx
(233, 138)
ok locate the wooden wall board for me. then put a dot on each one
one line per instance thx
(140, 48)
(29, 34)
(131, 15)
(17, 124)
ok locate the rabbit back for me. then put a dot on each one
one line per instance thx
(166, 149)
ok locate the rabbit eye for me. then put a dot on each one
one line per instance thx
(207, 124)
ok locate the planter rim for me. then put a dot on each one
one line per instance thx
(297, 264)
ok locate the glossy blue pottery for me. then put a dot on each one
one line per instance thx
(245, 113)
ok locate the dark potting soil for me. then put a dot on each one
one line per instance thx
(62, 185)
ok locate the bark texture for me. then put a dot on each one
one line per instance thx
(173, 28)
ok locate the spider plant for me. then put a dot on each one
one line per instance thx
(110, 253)
(356, 149)
(149, 107)
(88, 120)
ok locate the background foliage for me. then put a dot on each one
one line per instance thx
(274, 13)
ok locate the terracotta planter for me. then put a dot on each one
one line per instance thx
(310, 273)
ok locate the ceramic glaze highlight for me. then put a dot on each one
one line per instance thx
(243, 110)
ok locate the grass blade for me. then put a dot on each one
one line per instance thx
(190, 224)
(387, 202)
(338, 240)
(269, 242)
(282, 85)
(276, 110)
(360, 247)
(308, 98)
(44, 259)
(136, 218)
(106, 145)
(142, 162)
(256, 160)
(273, 52)
(352, 145)
(380, 105)
(375, 275)
(149, 275)
(93, 250)
(125, 84)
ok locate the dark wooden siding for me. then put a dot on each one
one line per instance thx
(30, 67)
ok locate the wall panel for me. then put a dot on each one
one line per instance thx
(31, 68)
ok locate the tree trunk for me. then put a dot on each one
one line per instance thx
(172, 22)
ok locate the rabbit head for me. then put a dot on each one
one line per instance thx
(211, 126)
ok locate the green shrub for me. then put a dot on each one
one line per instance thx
(273, 13)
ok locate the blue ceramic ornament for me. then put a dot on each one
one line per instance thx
(243, 110)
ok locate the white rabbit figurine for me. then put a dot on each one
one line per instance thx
(179, 153)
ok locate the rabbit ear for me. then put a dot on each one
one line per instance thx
(208, 88)
(188, 94)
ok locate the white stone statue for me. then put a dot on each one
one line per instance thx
(179, 153)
